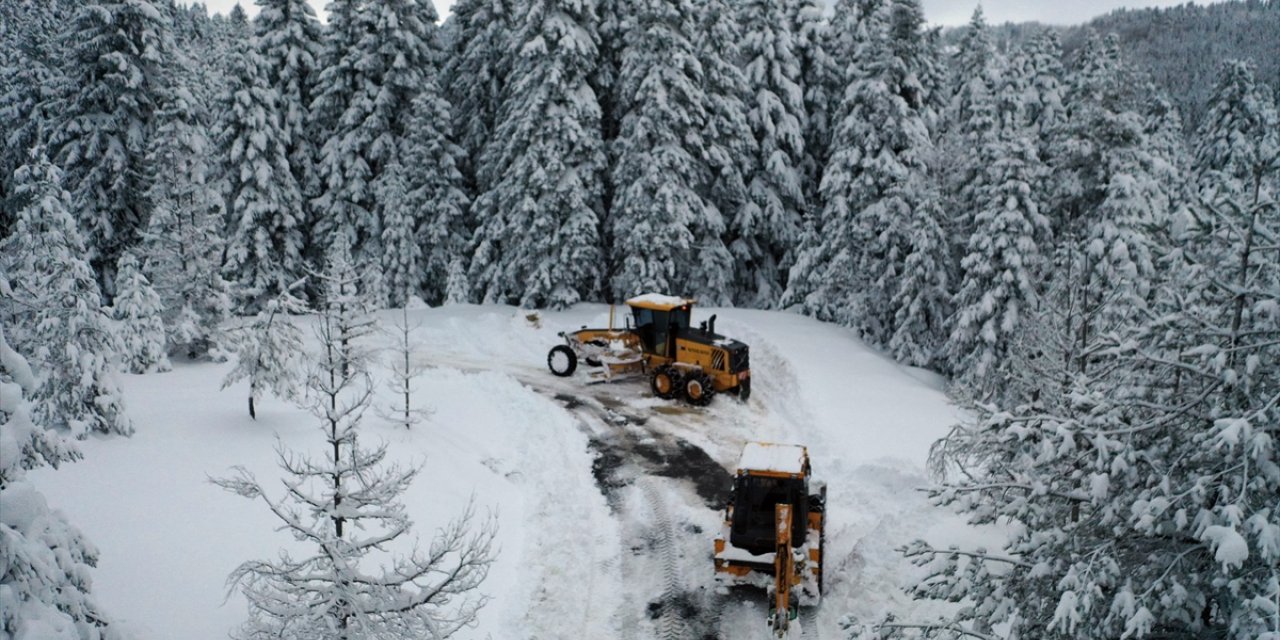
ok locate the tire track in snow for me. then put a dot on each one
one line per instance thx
(671, 624)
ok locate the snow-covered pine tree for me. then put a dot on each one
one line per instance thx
(811, 38)
(611, 27)
(731, 151)
(268, 348)
(474, 77)
(658, 175)
(1108, 199)
(372, 66)
(118, 50)
(138, 313)
(347, 303)
(183, 242)
(1140, 494)
(976, 68)
(264, 205)
(922, 298)
(808, 287)
(287, 36)
(457, 288)
(969, 124)
(31, 78)
(1237, 142)
(769, 226)
(405, 365)
(45, 584)
(27, 445)
(346, 505)
(1076, 148)
(424, 205)
(880, 203)
(402, 269)
(538, 240)
(1231, 236)
(1040, 61)
(1002, 267)
(57, 301)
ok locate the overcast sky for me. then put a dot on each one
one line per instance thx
(947, 12)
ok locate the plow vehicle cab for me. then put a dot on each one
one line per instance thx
(682, 361)
(773, 531)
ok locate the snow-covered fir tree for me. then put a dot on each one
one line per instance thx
(346, 505)
(474, 78)
(769, 226)
(27, 444)
(1107, 197)
(1137, 479)
(731, 150)
(811, 37)
(59, 310)
(138, 314)
(425, 206)
(976, 67)
(45, 581)
(1040, 61)
(117, 53)
(880, 205)
(267, 349)
(538, 236)
(970, 123)
(1002, 266)
(287, 36)
(31, 79)
(1002, 260)
(402, 268)
(922, 297)
(371, 68)
(658, 176)
(264, 204)
(183, 242)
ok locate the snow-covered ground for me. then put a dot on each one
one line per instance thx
(605, 496)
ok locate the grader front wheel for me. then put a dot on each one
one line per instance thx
(665, 382)
(562, 361)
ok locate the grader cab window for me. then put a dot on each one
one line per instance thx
(679, 319)
(652, 327)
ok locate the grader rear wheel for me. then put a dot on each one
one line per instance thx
(698, 389)
(665, 382)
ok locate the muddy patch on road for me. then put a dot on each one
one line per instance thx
(620, 455)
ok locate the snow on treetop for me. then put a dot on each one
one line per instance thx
(658, 300)
(766, 456)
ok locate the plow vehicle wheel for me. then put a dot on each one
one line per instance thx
(665, 382)
(744, 389)
(698, 389)
(562, 360)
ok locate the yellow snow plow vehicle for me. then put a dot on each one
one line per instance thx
(682, 361)
(773, 534)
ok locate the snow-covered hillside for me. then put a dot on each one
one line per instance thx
(607, 499)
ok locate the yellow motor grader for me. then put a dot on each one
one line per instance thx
(682, 361)
(773, 534)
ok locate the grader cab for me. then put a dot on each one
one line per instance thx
(681, 360)
(773, 534)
